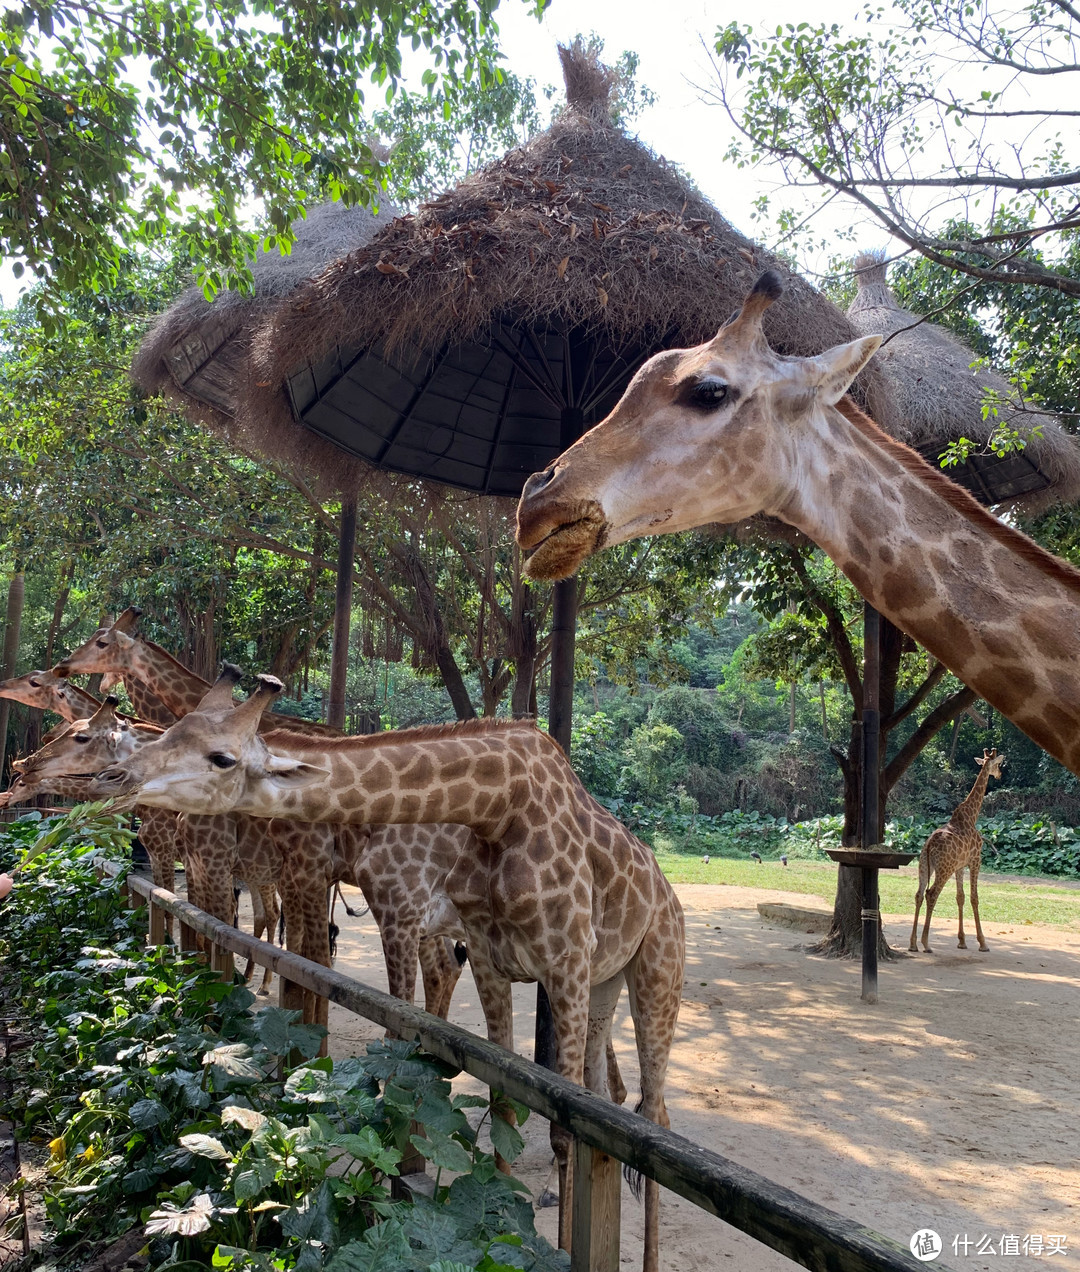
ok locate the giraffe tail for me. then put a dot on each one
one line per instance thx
(635, 1178)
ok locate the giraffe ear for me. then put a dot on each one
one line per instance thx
(836, 368)
(284, 771)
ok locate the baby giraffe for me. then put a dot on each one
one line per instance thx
(553, 888)
(949, 849)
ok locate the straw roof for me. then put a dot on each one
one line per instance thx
(582, 230)
(198, 353)
(937, 399)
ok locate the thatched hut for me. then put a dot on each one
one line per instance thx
(198, 353)
(471, 341)
(937, 398)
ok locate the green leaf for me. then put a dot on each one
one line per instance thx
(204, 1146)
(148, 1113)
(444, 1152)
(383, 1248)
(506, 1139)
(231, 1065)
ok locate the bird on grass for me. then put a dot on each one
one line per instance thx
(705, 859)
(757, 857)
(783, 859)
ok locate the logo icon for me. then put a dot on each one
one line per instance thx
(925, 1245)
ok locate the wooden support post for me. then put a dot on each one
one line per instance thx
(221, 960)
(869, 811)
(157, 925)
(189, 942)
(339, 654)
(596, 1223)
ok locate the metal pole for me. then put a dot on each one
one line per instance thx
(871, 763)
(339, 657)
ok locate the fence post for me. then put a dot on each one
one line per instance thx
(157, 923)
(221, 960)
(595, 1220)
(189, 942)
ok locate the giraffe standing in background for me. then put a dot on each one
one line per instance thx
(949, 849)
(555, 889)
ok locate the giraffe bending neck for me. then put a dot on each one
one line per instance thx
(730, 429)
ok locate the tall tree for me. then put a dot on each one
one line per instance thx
(929, 114)
(228, 101)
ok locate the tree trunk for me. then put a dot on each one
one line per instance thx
(12, 629)
(339, 655)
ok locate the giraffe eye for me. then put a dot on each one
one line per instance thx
(102, 644)
(222, 761)
(82, 737)
(708, 394)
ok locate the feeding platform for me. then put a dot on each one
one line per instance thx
(872, 858)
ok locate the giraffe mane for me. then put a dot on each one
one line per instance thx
(421, 733)
(961, 500)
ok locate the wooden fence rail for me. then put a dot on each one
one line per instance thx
(605, 1133)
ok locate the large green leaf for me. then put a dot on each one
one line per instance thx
(382, 1248)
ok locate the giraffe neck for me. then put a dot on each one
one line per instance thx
(178, 689)
(147, 705)
(998, 611)
(968, 809)
(472, 777)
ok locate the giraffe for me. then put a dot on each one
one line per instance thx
(949, 849)
(730, 429)
(60, 767)
(157, 826)
(555, 888)
(307, 853)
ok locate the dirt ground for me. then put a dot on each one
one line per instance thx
(952, 1104)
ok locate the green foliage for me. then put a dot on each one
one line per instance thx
(231, 102)
(159, 1092)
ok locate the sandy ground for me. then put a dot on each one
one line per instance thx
(952, 1104)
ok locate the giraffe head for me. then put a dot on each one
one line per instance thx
(44, 689)
(993, 762)
(83, 747)
(108, 651)
(707, 434)
(212, 760)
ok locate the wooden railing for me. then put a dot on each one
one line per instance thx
(605, 1134)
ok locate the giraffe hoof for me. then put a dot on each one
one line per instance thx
(984, 949)
(547, 1200)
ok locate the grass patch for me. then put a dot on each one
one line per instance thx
(1040, 901)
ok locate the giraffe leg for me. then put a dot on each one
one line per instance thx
(924, 879)
(441, 972)
(961, 943)
(616, 1086)
(931, 900)
(654, 980)
(264, 904)
(569, 994)
(973, 872)
(399, 942)
(496, 999)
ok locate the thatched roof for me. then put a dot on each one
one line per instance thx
(581, 231)
(198, 352)
(938, 397)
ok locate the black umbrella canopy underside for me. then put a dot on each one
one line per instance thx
(479, 415)
(992, 479)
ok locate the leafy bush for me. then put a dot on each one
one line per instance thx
(160, 1094)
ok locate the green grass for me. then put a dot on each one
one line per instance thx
(1040, 901)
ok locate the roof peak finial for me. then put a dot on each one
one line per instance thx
(589, 82)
